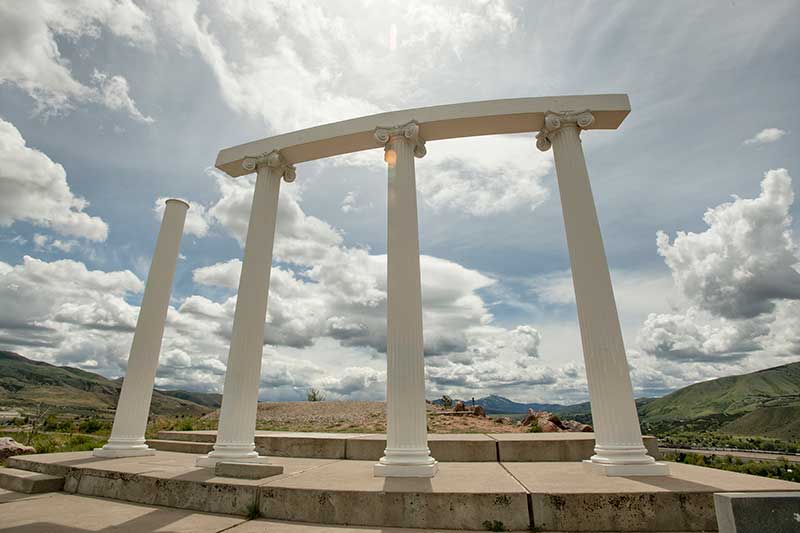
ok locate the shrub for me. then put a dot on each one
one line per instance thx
(315, 395)
(91, 425)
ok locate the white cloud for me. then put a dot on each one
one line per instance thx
(113, 92)
(327, 64)
(693, 335)
(348, 204)
(484, 175)
(745, 259)
(30, 56)
(766, 136)
(63, 312)
(33, 188)
(196, 217)
(741, 281)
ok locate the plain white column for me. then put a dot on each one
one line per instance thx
(237, 419)
(407, 453)
(133, 407)
(618, 439)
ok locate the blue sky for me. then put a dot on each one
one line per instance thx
(107, 107)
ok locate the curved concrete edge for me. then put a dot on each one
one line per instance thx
(473, 447)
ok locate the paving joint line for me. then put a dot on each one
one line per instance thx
(529, 497)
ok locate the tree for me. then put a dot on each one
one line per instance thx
(315, 395)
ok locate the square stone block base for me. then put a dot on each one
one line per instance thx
(754, 512)
(247, 470)
(112, 453)
(652, 469)
(384, 470)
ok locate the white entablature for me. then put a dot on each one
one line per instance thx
(492, 117)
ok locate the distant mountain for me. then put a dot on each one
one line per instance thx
(495, 405)
(25, 382)
(764, 403)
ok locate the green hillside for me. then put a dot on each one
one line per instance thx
(25, 383)
(772, 422)
(731, 396)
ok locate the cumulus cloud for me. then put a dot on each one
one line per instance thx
(336, 293)
(484, 175)
(766, 136)
(33, 188)
(30, 56)
(745, 259)
(741, 280)
(66, 313)
(695, 336)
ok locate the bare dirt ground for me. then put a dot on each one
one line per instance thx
(361, 417)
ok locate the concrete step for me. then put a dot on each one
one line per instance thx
(193, 436)
(182, 446)
(29, 482)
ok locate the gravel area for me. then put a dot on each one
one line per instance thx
(361, 417)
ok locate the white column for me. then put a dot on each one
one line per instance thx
(618, 439)
(133, 407)
(237, 419)
(407, 453)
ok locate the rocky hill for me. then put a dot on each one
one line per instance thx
(25, 383)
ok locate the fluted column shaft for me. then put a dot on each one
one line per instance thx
(407, 453)
(133, 407)
(616, 422)
(237, 420)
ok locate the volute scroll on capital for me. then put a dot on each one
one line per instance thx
(272, 159)
(554, 122)
(408, 132)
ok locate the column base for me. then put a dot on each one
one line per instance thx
(624, 470)
(231, 453)
(396, 470)
(404, 462)
(111, 452)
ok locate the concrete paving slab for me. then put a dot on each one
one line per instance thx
(69, 513)
(29, 482)
(323, 446)
(12, 496)
(564, 446)
(461, 496)
(563, 495)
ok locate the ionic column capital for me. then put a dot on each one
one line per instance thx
(407, 132)
(555, 122)
(274, 160)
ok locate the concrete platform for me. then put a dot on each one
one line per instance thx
(552, 496)
(465, 447)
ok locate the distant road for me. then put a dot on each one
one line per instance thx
(741, 454)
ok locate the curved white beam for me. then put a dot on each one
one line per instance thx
(513, 115)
